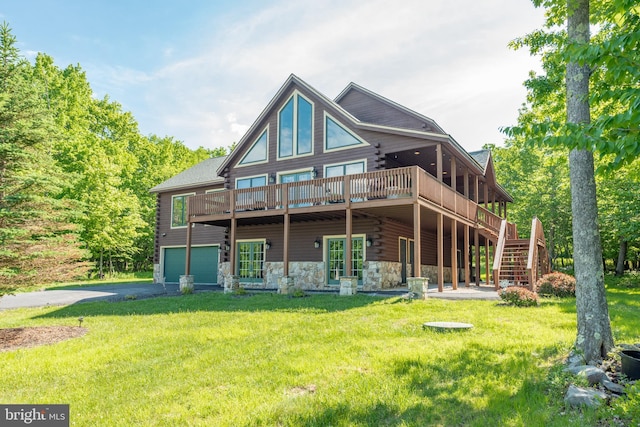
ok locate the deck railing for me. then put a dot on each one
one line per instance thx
(384, 184)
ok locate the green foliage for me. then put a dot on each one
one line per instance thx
(37, 235)
(626, 409)
(629, 281)
(615, 82)
(557, 284)
(80, 162)
(519, 296)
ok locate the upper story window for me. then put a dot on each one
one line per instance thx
(251, 182)
(179, 210)
(258, 151)
(338, 137)
(342, 169)
(295, 127)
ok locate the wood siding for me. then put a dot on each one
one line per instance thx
(167, 236)
(371, 110)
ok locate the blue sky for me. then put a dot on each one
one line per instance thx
(203, 70)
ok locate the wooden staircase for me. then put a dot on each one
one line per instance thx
(520, 262)
(513, 266)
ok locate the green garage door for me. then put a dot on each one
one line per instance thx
(204, 264)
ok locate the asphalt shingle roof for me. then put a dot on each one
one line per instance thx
(205, 172)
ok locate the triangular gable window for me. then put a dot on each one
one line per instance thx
(258, 152)
(337, 137)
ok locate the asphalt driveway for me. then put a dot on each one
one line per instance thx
(85, 294)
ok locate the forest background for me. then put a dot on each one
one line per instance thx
(75, 175)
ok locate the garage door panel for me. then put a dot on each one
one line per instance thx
(204, 264)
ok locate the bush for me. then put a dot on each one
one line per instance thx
(519, 296)
(630, 281)
(557, 284)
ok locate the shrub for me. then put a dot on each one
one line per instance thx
(630, 280)
(519, 296)
(557, 284)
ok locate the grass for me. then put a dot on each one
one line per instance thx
(269, 360)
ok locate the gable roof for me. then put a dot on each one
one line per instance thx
(203, 173)
(482, 157)
(428, 124)
(295, 80)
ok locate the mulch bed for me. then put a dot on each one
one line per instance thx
(14, 338)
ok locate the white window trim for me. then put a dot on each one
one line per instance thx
(325, 167)
(266, 179)
(295, 127)
(294, 171)
(171, 217)
(259, 162)
(363, 143)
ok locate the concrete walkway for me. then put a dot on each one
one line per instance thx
(121, 292)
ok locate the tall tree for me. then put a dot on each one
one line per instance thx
(38, 240)
(594, 337)
(608, 64)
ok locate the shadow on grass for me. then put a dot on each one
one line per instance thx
(476, 386)
(215, 301)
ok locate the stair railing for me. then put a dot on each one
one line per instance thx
(536, 241)
(497, 256)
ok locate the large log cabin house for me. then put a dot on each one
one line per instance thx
(358, 187)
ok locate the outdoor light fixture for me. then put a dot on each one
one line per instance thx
(272, 178)
(416, 152)
(164, 234)
(369, 242)
(314, 173)
(226, 246)
(267, 244)
(317, 243)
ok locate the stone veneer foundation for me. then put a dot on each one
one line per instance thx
(377, 275)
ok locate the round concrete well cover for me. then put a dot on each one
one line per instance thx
(447, 326)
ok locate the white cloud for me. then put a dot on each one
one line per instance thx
(446, 59)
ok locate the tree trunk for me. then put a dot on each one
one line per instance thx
(622, 256)
(101, 261)
(594, 338)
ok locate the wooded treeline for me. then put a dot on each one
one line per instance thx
(75, 175)
(75, 171)
(533, 165)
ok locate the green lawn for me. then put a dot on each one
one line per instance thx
(269, 360)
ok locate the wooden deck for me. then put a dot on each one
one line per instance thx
(391, 187)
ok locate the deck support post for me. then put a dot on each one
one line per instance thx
(439, 162)
(440, 244)
(347, 243)
(232, 249)
(467, 272)
(476, 245)
(187, 261)
(486, 260)
(454, 253)
(466, 183)
(285, 254)
(417, 245)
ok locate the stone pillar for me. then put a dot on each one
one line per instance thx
(418, 286)
(157, 274)
(348, 285)
(186, 284)
(231, 283)
(285, 285)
